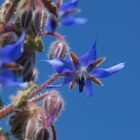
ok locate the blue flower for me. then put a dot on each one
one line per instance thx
(8, 55)
(83, 70)
(66, 13)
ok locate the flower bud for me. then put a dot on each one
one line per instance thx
(37, 128)
(18, 122)
(23, 19)
(58, 49)
(40, 20)
(53, 106)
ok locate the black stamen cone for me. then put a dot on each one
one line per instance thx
(81, 84)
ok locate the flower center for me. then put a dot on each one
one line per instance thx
(82, 72)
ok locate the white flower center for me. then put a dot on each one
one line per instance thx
(82, 72)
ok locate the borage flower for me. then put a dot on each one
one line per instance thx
(66, 13)
(8, 55)
(83, 70)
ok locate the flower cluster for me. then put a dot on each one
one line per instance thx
(23, 25)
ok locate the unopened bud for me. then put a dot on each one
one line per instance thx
(37, 128)
(40, 20)
(53, 105)
(58, 49)
(24, 18)
(18, 122)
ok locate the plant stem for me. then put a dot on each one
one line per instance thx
(36, 91)
(56, 35)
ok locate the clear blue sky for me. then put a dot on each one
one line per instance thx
(113, 112)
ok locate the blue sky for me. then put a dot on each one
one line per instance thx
(113, 112)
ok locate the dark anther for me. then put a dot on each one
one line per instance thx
(81, 84)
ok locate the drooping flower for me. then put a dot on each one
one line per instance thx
(66, 13)
(83, 70)
(8, 55)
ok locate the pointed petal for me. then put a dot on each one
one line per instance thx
(95, 80)
(7, 78)
(67, 20)
(74, 59)
(68, 79)
(60, 66)
(69, 5)
(72, 84)
(89, 57)
(88, 88)
(80, 21)
(102, 73)
(12, 52)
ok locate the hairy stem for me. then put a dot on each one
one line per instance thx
(36, 91)
(10, 108)
(56, 35)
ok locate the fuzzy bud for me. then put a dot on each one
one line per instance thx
(53, 105)
(37, 128)
(23, 19)
(58, 49)
(18, 122)
(40, 19)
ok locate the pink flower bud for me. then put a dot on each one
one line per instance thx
(53, 105)
(37, 128)
(40, 19)
(23, 19)
(58, 49)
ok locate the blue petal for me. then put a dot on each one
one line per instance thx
(69, 5)
(80, 21)
(7, 78)
(68, 79)
(12, 52)
(61, 66)
(67, 20)
(88, 88)
(102, 73)
(89, 57)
